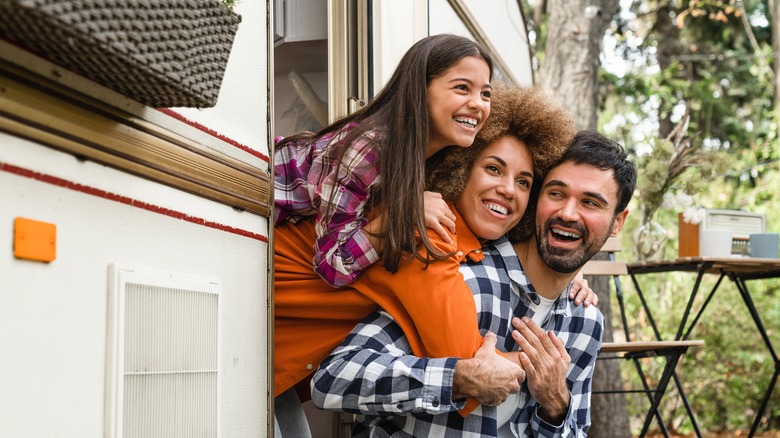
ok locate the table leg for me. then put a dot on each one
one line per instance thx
(671, 363)
(745, 293)
(651, 398)
(689, 306)
(677, 382)
(764, 402)
(704, 306)
(645, 307)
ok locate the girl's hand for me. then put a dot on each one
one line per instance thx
(438, 215)
(581, 292)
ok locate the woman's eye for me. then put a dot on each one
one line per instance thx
(523, 182)
(462, 87)
(492, 168)
(486, 94)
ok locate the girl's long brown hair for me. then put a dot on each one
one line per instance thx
(400, 114)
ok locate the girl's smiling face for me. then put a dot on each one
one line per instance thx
(459, 104)
(496, 194)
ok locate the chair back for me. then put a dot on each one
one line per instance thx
(611, 266)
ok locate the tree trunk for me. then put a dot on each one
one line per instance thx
(609, 416)
(575, 29)
(668, 48)
(774, 15)
(570, 73)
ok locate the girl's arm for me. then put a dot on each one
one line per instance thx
(345, 245)
(347, 241)
(581, 292)
(439, 216)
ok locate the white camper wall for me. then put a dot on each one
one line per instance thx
(502, 24)
(54, 316)
(397, 25)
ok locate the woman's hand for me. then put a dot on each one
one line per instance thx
(438, 215)
(582, 293)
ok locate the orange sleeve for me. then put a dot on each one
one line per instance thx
(433, 305)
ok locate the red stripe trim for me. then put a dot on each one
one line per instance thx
(214, 133)
(49, 179)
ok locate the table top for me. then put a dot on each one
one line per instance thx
(739, 265)
(635, 346)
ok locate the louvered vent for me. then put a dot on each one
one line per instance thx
(163, 355)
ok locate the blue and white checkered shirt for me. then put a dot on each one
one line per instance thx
(373, 374)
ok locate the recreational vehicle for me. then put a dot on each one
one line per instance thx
(137, 241)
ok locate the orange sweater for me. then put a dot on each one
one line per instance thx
(433, 305)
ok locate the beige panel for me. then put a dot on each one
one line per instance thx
(50, 114)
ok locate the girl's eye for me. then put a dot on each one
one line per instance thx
(486, 94)
(462, 87)
(523, 182)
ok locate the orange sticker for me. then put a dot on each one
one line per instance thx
(35, 240)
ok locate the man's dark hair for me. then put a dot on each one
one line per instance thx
(590, 147)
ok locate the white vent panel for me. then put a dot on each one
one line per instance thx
(163, 355)
(740, 224)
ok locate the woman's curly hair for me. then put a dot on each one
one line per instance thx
(525, 113)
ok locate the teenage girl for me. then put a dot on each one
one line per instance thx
(438, 96)
(353, 193)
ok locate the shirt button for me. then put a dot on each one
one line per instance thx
(478, 251)
(460, 253)
(399, 406)
(435, 403)
(309, 367)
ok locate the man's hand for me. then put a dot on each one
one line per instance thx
(545, 361)
(488, 377)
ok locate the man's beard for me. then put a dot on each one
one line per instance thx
(566, 260)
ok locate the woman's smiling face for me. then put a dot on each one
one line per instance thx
(496, 194)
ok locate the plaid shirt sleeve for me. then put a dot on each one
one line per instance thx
(309, 181)
(373, 373)
(581, 331)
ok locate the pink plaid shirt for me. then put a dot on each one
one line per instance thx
(308, 180)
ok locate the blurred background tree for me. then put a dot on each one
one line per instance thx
(654, 62)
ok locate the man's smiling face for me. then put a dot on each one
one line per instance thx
(575, 215)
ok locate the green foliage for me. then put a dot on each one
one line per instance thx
(719, 69)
